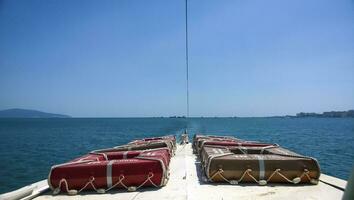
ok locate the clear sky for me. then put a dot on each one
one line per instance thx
(125, 58)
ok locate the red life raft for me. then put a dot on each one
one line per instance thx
(237, 143)
(201, 141)
(167, 137)
(170, 141)
(104, 170)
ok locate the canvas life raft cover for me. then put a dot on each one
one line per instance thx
(106, 170)
(138, 164)
(171, 138)
(199, 139)
(170, 141)
(142, 145)
(225, 141)
(262, 165)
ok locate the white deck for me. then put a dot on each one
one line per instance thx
(186, 183)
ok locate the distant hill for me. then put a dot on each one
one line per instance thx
(23, 113)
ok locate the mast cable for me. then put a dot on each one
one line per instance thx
(187, 67)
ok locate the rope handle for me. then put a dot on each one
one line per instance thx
(295, 180)
(102, 190)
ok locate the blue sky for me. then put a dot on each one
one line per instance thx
(125, 58)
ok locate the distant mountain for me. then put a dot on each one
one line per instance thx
(23, 113)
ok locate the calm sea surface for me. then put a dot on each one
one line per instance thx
(29, 147)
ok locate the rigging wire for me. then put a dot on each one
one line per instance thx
(187, 67)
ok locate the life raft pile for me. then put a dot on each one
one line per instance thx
(229, 159)
(137, 164)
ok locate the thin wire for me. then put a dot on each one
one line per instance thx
(187, 67)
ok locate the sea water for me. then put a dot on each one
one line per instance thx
(29, 147)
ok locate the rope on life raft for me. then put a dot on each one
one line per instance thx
(101, 190)
(295, 180)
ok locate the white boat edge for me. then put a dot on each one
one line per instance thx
(27, 192)
(36, 189)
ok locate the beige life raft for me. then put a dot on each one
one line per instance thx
(262, 165)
